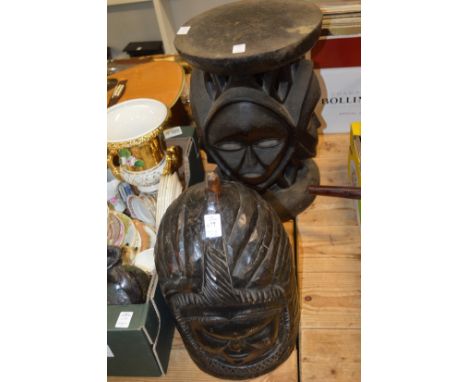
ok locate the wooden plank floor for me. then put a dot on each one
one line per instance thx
(182, 369)
(329, 269)
(329, 279)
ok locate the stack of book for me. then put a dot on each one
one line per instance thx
(340, 17)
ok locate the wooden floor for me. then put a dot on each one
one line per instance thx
(329, 266)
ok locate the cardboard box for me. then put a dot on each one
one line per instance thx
(139, 336)
(143, 48)
(337, 65)
(185, 137)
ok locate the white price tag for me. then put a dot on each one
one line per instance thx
(239, 48)
(172, 132)
(124, 320)
(213, 225)
(109, 352)
(183, 30)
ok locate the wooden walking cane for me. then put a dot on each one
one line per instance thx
(336, 191)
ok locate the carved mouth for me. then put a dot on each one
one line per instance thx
(237, 356)
(251, 175)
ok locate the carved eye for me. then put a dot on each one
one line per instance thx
(263, 334)
(268, 143)
(230, 146)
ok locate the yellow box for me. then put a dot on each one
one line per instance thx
(354, 161)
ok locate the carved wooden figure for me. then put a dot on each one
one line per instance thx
(126, 284)
(234, 297)
(253, 95)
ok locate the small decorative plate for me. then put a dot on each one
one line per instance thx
(115, 229)
(152, 236)
(132, 237)
(140, 209)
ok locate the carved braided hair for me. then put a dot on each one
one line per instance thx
(251, 262)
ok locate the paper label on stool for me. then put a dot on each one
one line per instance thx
(213, 225)
(172, 132)
(239, 48)
(109, 352)
(183, 30)
(124, 320)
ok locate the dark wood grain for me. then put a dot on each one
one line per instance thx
(336, 191)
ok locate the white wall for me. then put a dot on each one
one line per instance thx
(130, 22)
(183, 10)
(137, 21)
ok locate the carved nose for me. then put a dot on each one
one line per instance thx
(237, 345)
(251, 167)
(250, 159)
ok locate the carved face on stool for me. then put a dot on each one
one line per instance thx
(256, 126)
(253, 145)
(253, 94)
(234, 298)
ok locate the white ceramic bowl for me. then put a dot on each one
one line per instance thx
(134, 118)
(145, 260)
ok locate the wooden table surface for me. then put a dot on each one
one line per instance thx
(161, 80)
(329, 269)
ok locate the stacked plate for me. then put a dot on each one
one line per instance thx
(147, 235)
(132, 237)
(143, 208)
(115, 229)
(121, 230)
(124, 231)
(138, 235)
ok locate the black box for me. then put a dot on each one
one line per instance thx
(144, 48)
(185, 137)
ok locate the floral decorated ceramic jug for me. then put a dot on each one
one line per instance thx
(135, 145)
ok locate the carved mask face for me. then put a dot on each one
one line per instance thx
(251, 145)
(254, 124)
(233, 336)
(236, 335)
(234, 298)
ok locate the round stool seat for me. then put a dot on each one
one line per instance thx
(250, 36)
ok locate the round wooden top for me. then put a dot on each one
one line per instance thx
(159, 80)
(275, 32)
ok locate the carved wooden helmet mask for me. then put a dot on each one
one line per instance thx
(234, 298)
